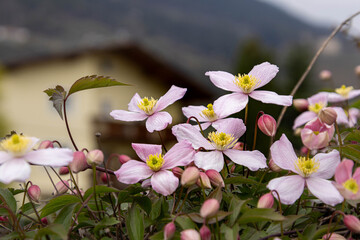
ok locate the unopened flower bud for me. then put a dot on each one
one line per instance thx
(95, 157)
(3, 219)
(334, 236)
(352, 223)
(61, 187)
(325, 75)
(297, 132)
(124, 158)
(81, 192)
(79, 162)
(267, 125)
(238, 146)
(190, 234)
(328, 115)
(190, 176)
(273, 166)
(63, 170)
(304, 150)
(103, 177)
(209, 208)
(205, 233)
(357, 70)
(301, 104)
(44, 221)
(177, 172)
(34, 193)
(46, 144)
(203, 181)
(215, 178)
(316, 135)
(169, 230)
(266, 201)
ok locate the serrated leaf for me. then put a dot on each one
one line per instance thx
(353, 136)
(57, 96)
(56, 204)
(260, 214)
(185, 222)
(156, 209)
(235, 207)
(135, 223)
(351, 151)
(65, 215)
(105, 222)
(93, 81)
(9, 201)
(100, 190)
(144, 202)
(240, 179)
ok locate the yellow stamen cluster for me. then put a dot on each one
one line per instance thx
(344, 91)
(316, 107)
(147, 105)
(351, 185)
(246, 82)
(222, 141)
(306, 166)
(155, 162)
(16, 144)
(209, 113)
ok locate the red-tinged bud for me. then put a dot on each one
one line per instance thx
(357, 70)
(352, 223)
(3, 219)
(46, 144)
(209, 208)
(267, 125)
(34, 193)
(328, 115)
(203, 181)
(205, 233)
(304, 150)
(95, 157)
(124, 158)
(273, 166)
(190, 234)
(325, 75)
(177, 172)
(334, 236)
(79, 162)
(169, 230)
(215, 178)
(44, 221)
(239, 146)
(61, 187)
(232, 170)
(190, 176)
(266, 201)
(301, 104)
(63, 170)
(103, 177)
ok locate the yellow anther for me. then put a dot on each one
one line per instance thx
(246, 82)
(351, 185)
(155, 162)
(306, 166)
(222, 141)
(344, 91)
(16, 144)
(316, 107)
(147, 105)
(209, 113)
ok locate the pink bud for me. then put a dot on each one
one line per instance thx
(190, 176)
(3, 219)
(352, 223)
(215, 178)
(61, 187)
(328, 115)
(124, 158)
(267, 125)
(203, 181)
(325, 75)
(95, 157)
(190, 234)
(205, 233)
(232, 169)
(304, 150)
(266, 201)
(209, 208)
(357, 70)
(301, 104)
(63, 170)
(81, 192)
(34, 193)
(46, 144)
(273, 166)
(103, 177)
(334, 236)
(239, 146)
(169, 230)
(44, 221)
(177, 172)
(316, 135)
(79, 162)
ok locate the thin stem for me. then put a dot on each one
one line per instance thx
(78, 213)
(331, 219)
(75, 183)
(179, 198)
(67, 126)
(255, 130)
(52, 182)
(245, 121)
(280, 210)
(201, 130)
(339, 139)
(183, 203)
(162, 142)
(94, 185)
(63, 182)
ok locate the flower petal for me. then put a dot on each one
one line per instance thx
(175, 93)
(321, 97)
(354, 94)
(264, 72)
(181, 154)
(128, 116)
(223, 80)
(209, 160)
(354, 114)
(17, 169)
(304, 118)
(133, 104)
(188, 132)
(324, 190)
(341, 116)
(343, 171)
(194, 111)
(4, 156)
(144, 150)
(251, 159)
(283, 154)
(271, 97)
(289, 188)
(164, 182)
(158, 121)
(230, 103)
(328, 163)
(133, 171)
(54, 157)
(334, 97)
(233, 126)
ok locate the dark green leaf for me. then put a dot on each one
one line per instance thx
(105, 222)
(144, 202)
(156, 209)
(351, 151)
(52, 230)
(219, 216)
(217, 194)
(123, 196)
(56, 204)
(65, 216)
(185, 222)
(99, 190)
(230, 233)
(260, 214)
(287, 223)
(235, 208)
(57, 96)
(353, 136)
(135, 224)
(240, 179)
(9, 200)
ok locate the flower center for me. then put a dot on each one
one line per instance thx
(209, 113)
(16, 144)
(306, 166)
(147, 105)
(155, 162)
(351, 185)
(246, 82)
(222, 141)
(344, 91)
(316, 107)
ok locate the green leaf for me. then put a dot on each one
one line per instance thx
(235, 207)
(185, 222)
(99, 190)
(240, 179)
(105, 222)
(156, 209)
(230, 233)
(65, 216)
(93, 81)
(219, 216)
(217, 194)
(287, 223)
(56, 204)
(124, 196)
(9, 201)
(353, 136)
(52, 230)
(135, 223)
(260, 214)
(144, 202)
(351, 151)
(57, 96)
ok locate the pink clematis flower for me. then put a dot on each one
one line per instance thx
(347, 183)
(219, 143)
(156, 166)
(317, 135)
(353, 114)
(310, 172)
(246, 85)
(343, 93)
(17, 152)
(145, 108)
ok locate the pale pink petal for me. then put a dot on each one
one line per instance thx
(164, 182)
(175, 93)
(33, 142)
(283, 154)
(133, 171)
(4, 156)
(343, 171)
(341, 115)
(347, 194)
(144, 150)
(181, 154)
(304, 118)
(354, 94)
(264, 72)
(230, 103)
(54, 157)
(128, 116)
(223, 80)
(354, 114)
(158, 121)
(17, 169)
(203, 126)
(356, 175)
(289, 188)
(334, 97)
(271, 97)
(324, 190)
(250, 159)
(190, 133)
(210, 160)
(328, 163)
(233, 126)
(133, 104)
(146, 183)
(195, 111)
(321, 97)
